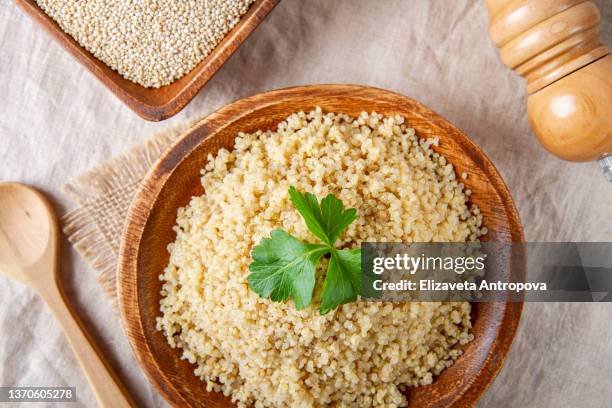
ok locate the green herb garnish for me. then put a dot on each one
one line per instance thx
(284, 267)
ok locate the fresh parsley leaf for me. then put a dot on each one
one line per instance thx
(343, 281)
(326, 221)
(283, 267)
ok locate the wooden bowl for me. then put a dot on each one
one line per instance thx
(156, 104)
(176, 178)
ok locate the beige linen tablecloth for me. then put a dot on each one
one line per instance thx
(57, 121)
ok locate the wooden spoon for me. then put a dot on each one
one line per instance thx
(29, 248)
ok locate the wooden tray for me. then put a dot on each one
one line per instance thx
(176, 178)
(156, 104)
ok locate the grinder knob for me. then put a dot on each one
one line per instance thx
(555, 46)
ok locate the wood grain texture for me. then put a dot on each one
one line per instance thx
(555, 46)
(544, 40)
(29, 252)
(573, 116)
(156, 104)
(176, 178)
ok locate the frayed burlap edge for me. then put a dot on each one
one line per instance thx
(104, 195)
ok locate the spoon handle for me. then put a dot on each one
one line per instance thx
(106, 385)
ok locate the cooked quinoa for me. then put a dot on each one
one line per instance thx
(269, 354)
(150, 42)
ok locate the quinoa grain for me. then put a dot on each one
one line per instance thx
(269, 354)
(150, 42)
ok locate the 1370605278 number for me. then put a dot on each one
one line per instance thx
(37, 394)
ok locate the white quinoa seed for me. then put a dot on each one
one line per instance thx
(150, 42)
(269, 354)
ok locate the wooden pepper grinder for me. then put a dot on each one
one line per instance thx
(555, 46)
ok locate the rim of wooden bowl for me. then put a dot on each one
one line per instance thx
(495, 338)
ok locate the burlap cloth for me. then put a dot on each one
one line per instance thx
(104, 195)
(56, 121)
